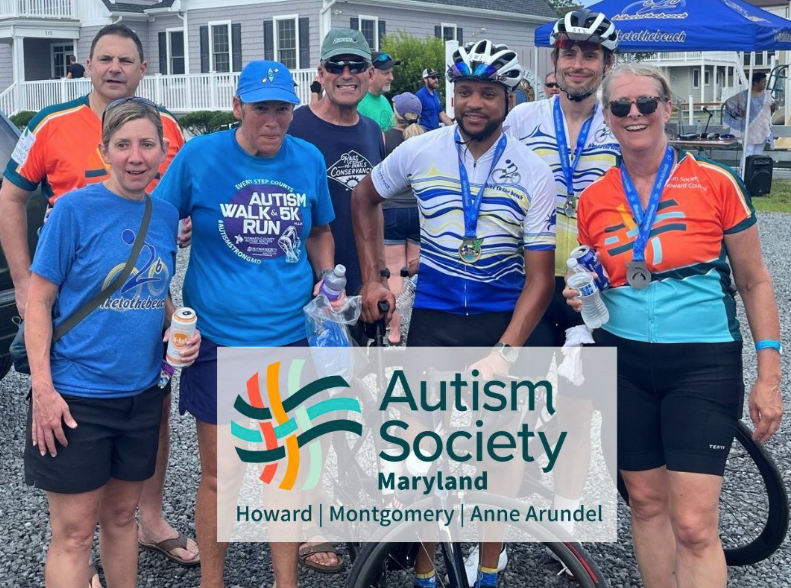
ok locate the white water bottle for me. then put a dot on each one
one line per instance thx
(334, 283)
(594, 312)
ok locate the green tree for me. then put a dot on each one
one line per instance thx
(415, 56)
(564, 6)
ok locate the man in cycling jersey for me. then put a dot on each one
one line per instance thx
(496, 225)
(568, 132)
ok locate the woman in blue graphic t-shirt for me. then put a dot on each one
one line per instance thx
(93, 419)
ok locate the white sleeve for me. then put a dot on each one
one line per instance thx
(391, 176)
(539, 223)
(514, 124)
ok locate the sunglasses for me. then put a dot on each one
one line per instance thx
(137, 99)
(384, 57)
(645, 105)
(564, 42)
(551, 85)
(433, 77)
(355, 67)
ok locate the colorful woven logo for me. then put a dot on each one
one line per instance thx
(286, 424)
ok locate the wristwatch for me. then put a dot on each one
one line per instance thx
(508, 353)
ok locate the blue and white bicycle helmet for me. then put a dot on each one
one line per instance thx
(484, 61)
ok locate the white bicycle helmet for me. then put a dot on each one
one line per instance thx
(586, 25)
(486, 62)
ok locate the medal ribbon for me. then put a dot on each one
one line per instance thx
(563, 148)
(472, 205)
(645, 221)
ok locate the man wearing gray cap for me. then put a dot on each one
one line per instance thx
(351, 144)
(375, 106)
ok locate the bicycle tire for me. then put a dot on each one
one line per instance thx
(376, 559)
(770, 532)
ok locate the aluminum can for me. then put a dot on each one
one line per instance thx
(588, 259)
(182, 327)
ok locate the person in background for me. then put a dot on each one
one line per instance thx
(95, 405)
(76, 70)
(761, 109)
(432, 113)
(551, 85)
(375, 105)
(401, 217)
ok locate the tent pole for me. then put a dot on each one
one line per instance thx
(747, 114)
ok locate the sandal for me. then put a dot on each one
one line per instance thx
(165, 547)
(305, 551)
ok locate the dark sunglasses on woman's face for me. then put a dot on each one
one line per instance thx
(551, 85)
(645, 105)
(337, 67)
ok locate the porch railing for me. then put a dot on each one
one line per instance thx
(181, 93)
(37, 9)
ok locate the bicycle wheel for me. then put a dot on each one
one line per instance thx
(390, 565)
(753, 502)
(390, 561)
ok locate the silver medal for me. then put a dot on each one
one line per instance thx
(637, 275)
(570, 207)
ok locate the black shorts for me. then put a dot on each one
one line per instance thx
(678, 403)
(115, 438)
(551, 329)
(434, 328)
(401, 225)
(198, 387)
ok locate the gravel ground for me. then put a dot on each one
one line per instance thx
(23, 512)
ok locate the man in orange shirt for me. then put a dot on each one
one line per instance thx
(59, 150)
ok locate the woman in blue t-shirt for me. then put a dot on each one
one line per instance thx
(100, 378)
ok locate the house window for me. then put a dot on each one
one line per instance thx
(286, 40)
(220, 46)
(176, 51)
(696, 78)
(369, 25)
(707, 78)
(448, 32)
(60, 59)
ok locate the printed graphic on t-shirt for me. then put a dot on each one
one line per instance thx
(146, 287)
(507, 174)
(263, 220)
(350, 169)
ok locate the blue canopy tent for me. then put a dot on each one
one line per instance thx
(690, 25)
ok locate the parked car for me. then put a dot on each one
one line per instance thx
(36, 207)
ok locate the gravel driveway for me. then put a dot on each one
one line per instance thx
(23, 512)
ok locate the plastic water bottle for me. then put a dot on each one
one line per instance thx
(406, 298)
(334, 283)
(594, 312)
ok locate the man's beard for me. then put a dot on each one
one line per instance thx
(582, 92)
(482, 135)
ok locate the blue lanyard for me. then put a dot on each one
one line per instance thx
(646, 221)
(472, 205)
(563, 148)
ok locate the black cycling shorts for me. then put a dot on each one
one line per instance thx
(678, 403)
(551, 329)
(434, 328)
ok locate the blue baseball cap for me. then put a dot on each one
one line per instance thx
(264, 81)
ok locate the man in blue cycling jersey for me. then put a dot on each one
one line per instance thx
(487, 207)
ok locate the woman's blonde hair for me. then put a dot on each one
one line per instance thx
(116, 117)
(410, 124)
(638, 70)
